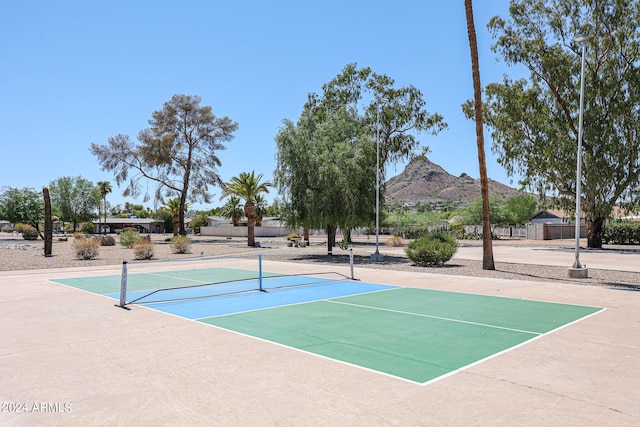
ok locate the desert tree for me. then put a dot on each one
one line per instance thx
(178, 152)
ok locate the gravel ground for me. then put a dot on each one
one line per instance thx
(19, 254)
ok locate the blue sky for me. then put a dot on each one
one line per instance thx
(77, 72)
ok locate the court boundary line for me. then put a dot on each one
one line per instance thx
(436, 317)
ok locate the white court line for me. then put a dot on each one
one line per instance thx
(437, 317)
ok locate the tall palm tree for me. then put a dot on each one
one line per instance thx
(105, 188)
(487, 243)
(247, 186)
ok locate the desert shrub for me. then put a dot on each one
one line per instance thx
(29, 233)
(128, 237)
(88, 228)
(107, 241)
(395, 241)
(86, 247)
(181, 245)
(7, 229)
(143, 249)
(433, 249)
(294, 236)
(20, 227)
(78, 235)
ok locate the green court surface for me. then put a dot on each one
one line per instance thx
(415, 334)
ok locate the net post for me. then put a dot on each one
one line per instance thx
(260, 273)
(123, 285)
(351, 263)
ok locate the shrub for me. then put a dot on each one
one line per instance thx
(143, 249)
(20, 227)
(29, 233)
(621, 232)
(107, 241)
(181, 245)
(86, 248)
(395, 241)
(128, 237)
(88, 228)
(294, 236)
(432, 249)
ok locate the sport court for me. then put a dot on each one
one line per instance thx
(415, 335)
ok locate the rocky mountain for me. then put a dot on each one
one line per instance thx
(426, 182)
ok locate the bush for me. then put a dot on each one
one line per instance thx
(20, 227)
(88, 228)
(621, 232)
(143, 249)
(29, 233)
(128, 237)
(107, 241)
(181, 245)
(432, 249)
(86, 247)
(294, 236)
(395, 241)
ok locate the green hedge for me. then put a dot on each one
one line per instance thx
(621, 233)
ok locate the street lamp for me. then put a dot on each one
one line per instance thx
(578, 270)
(377, 256)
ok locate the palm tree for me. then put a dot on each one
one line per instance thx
(105, 188)
(261, 209)
(232, 210)
(247, 186)
(487, 244)
(173, 206)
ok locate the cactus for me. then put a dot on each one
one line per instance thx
(48, 223)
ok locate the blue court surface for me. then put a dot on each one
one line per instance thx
(197, 308)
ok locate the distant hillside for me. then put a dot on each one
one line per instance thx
(425, 181)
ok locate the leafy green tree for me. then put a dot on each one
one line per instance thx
(535, 119)
(518, 209)
(165, 216)
(325, 170)
(22, 206)
(178, 152)
(247, 186)
(200, 220)
(402, 113)
(316, 148)
(76, 197)
(473, 213)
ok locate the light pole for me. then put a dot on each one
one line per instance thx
(377, 256)
(576, 265)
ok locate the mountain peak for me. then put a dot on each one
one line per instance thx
(426, 182)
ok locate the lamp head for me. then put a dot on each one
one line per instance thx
(580, 39)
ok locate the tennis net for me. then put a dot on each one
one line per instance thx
(163, 281)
